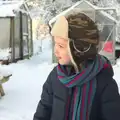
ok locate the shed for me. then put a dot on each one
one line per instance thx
(16, 29)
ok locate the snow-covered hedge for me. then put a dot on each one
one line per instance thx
(5, 54)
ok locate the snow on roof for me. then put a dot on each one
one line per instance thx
(7, 8)
(109, 16)
(93, 6)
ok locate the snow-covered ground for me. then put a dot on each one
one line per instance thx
(24, 87)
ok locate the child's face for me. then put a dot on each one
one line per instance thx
(61, 50)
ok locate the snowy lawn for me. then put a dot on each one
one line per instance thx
(24, 87)
(23, 91)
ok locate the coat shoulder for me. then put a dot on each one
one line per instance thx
(105, 79)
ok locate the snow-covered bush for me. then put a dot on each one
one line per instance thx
(5, 54)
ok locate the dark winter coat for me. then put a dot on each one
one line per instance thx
(54, 99)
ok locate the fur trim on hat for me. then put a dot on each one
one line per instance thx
(60, 28)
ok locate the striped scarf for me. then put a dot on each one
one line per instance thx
(84, 84)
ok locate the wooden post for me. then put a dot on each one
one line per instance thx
(31, 40)
(3, 79)
(12, 40)
(2, 93)
(21, 37)
(114, 43)
(28, 40)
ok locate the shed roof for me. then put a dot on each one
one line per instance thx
(8, 8)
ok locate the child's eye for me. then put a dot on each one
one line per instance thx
(61, 46)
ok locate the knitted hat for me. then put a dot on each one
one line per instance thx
(83, 36)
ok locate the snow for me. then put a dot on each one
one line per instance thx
(24, 87)
(23, 91)
(11, 6)
(5, 54)
(64, 12)
(92, 6)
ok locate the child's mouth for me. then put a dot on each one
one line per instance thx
(58, 58)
